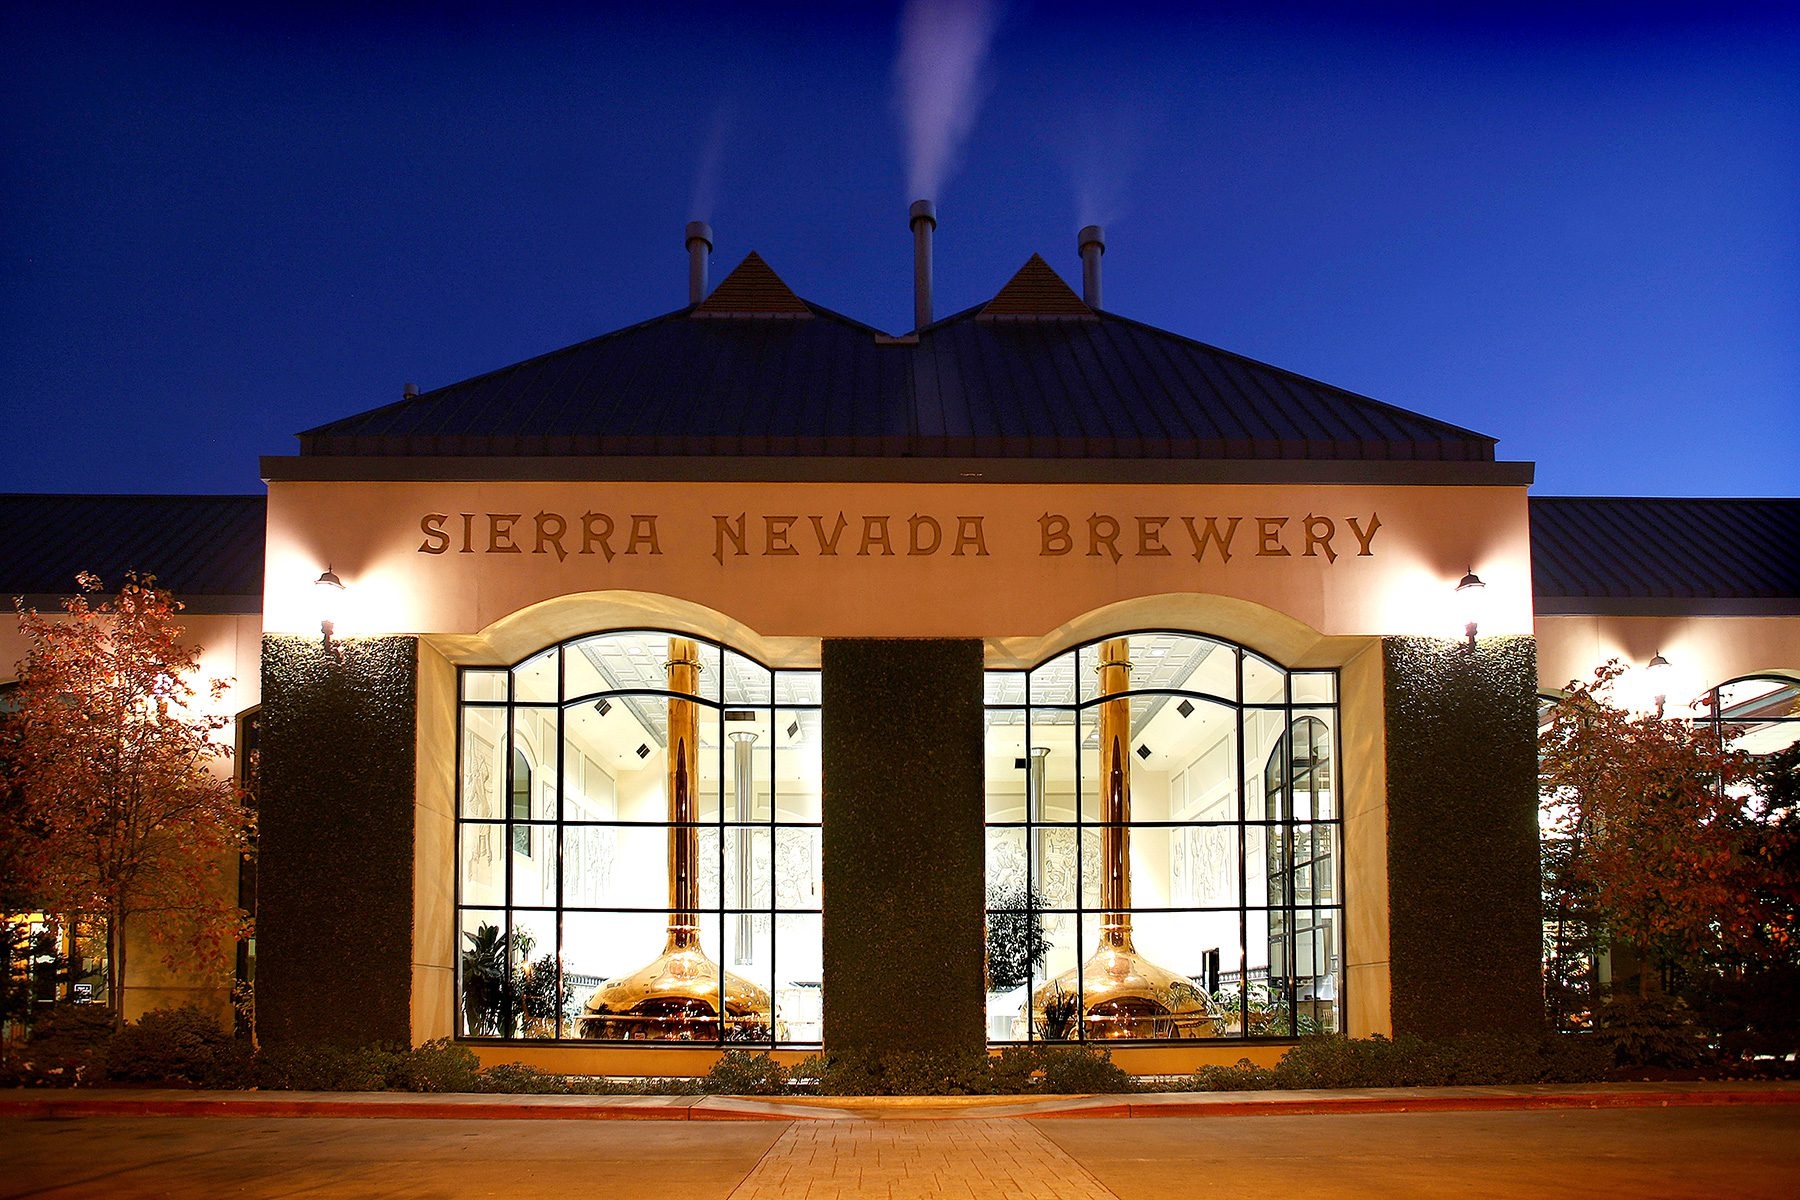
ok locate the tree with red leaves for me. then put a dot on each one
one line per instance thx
(119, 809)
(1662, 838)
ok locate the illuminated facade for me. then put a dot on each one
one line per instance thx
(750, 677)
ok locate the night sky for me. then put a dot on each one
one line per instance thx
(1576, 229)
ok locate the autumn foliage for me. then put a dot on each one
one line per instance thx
(1662, 840)
(121, 806)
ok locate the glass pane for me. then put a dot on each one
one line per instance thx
(798, 995)
(1005, 688)
(617, 866)
(1262, 739)
(1151, 866)
(798, 776)
(1054, 981)
(1312, 778)
(1088, 763)
(1214, 671)
(535, 983)
(1053, 738)
(483, 783)
(1201, 759)
(747, 762)
(534, 680)
(796, 688)
(590, 790)
(797, 868)
(533, 864)
(482, 869)
(1008, 777)
(1055, 871)
(1006, 868)
(1264, 682)
(483, 685)
(481, 973)
(589, 860)
(602, 946)
(614, 761)
(745, 681)
(746, 868)
(1314, 687)
(1054, 682)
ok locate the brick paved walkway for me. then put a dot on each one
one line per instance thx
(904, 1159)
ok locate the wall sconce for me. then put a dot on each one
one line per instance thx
(328, 591)
(1656, 674)
(1468, 599)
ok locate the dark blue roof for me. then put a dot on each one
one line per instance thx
(208, 550)
(755, 371)
(1621, 555)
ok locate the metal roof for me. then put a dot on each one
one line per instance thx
(1034, 373)
(1625, 556)
(208, 550)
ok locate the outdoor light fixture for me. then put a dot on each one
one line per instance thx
(1656, 673)
(1468, 595)
(329, 590)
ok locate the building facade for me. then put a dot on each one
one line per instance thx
(752, 678)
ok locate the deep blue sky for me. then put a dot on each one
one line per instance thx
(1578, 233)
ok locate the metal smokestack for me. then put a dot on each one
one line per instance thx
(922, 217)
(699, 245)
(1091, 242)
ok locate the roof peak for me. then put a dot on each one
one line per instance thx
(1035, 290)
(752, 289)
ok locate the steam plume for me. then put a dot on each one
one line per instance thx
(1101, 151)
(942, 46)
(706, 173)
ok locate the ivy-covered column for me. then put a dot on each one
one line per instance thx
(1463, 900)
(335, 858)
(904, 847)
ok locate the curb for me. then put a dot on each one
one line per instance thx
(66, 1106)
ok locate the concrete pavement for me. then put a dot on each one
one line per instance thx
(1709, 1141)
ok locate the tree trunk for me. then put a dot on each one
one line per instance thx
(115, 972)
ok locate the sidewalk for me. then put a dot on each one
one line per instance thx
(122, 1102)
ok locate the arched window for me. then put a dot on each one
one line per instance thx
(1163, 844)
(638, 845)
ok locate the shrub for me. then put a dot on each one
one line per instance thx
(740, 1073)
(1079, 1070)
(1653, 1031)
(515, 1079)
(178, 1047)
(439, 1065)
(325, 1068)
(67, 1046)
(1241, 1076)
(1341, 1062)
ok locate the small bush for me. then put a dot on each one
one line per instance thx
(1080, 1070)
(324, 1068)
(439, 1065)
(740, 1073)
(516, 1079)
(1241, 1076)
(1341, 1062)
(178, 1047)
(1654, 1031)
(67, 1046)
